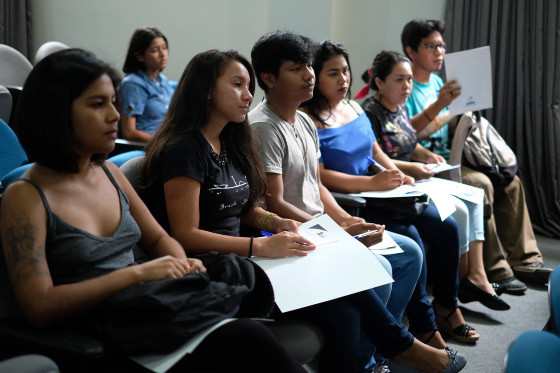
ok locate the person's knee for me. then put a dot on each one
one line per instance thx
(412, 252)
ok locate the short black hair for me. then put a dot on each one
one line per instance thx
(139, 42)
(43, 117)
(382, 66)
(417, 29)
(272, 49)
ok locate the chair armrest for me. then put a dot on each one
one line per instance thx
(19, 336)
(346, 200)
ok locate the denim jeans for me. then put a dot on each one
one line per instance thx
(352, 325)
(405, 268)
(442, 259)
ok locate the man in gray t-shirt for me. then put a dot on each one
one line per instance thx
(291, 151)
(287, 138)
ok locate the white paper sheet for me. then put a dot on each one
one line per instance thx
(387, 246)
(340, 265)
(473, 70)
(440, 167)
(160, 363)
(463, 191)
(402, 191)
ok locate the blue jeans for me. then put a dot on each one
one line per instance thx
(343, 320)
(405, 269)
(443, 261)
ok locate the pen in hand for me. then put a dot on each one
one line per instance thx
(365, 234)
(373, 162)
(268, 234)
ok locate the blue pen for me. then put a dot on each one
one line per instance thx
(268, 234)
(365, 234)
(373, 162)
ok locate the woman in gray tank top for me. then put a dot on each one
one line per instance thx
(69, 225)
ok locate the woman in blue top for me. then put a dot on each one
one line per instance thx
(346, 140)
(146, 91)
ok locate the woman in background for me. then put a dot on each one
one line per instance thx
(146, 91)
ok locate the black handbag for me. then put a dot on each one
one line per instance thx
(160, 316)
(399, 207)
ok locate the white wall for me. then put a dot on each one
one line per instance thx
(104, 26)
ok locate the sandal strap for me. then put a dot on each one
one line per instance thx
(463, 330)
(446, 318)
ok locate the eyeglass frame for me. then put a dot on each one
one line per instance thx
(431, 47)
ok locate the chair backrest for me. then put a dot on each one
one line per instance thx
(554, 300)
(12, 154)
(15, 67)
(131, 169)
(122, 158)
(533, 351)
(12, 175)
(5, 104)
(49, 47)
(456, 155)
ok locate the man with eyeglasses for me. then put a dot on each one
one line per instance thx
(510, 249)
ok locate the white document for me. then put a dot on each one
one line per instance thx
(402, 191)
(460, 190)
(161, 363)
(440, 167)
(473, 70)
(339, 266)
(387, 246)
(439, 196)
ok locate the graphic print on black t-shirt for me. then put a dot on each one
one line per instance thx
(234, 187)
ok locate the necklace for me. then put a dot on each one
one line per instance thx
(301, 141)
(221, 159)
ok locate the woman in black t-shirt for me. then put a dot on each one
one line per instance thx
(199, 166)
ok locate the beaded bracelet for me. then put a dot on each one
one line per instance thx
(264, 220)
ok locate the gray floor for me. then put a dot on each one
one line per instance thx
(498, 329)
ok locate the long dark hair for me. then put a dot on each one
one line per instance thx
(318, 103)
(43, 117)
(139, 42)
(190, 110)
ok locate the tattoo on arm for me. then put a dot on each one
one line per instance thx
(25, 256)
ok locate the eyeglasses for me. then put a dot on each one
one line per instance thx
(431, 47)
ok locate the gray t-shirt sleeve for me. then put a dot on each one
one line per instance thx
(271, 146)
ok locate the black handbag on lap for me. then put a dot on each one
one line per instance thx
(160, 316)
(400, 207)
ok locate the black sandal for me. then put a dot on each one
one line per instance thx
(460, 333)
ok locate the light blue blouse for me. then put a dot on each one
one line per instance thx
(146, 99)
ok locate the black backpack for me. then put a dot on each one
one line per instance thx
(486, 151)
